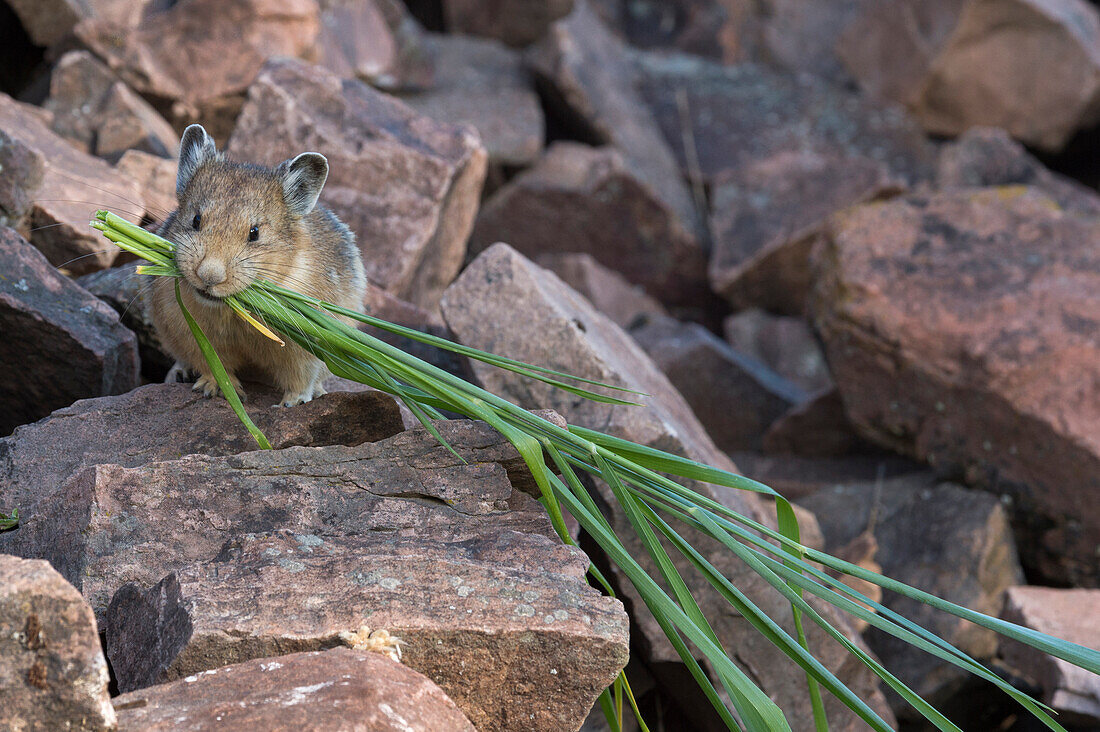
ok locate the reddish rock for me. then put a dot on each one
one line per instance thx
(156, 177)
(987, 156)
(606, 289)
(49, 22)
(961, 329)
(178, 55)
(767, 215)
(484, 84)
(406, 185)
(1029, 66)
(457, 600)
(724, 30)
(945, 539)
(735, 397)
(497, 302)
(800, 36)
(121, 288)
(60, 343)
(818, 427)
(108, 525)
(1072, 615)
(93, 109)
(785, 344)
(583, 199)
(355, 40)
(52, 668)
(590, 79)
(516, 22)
(340, 690)
(797, 476)
(48, 195)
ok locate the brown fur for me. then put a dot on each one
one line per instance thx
(314, 254)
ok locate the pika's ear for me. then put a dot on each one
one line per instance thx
(303, 178)
(196, 148)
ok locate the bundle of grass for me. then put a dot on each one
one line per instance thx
(641, 480)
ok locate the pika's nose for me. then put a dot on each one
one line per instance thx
(211, 271)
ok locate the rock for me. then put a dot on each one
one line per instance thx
(381, 304)
(406, 185)
(201, 501)
(1071, 615)
(785, 344)
(942, 538)
(516, 22)
(498, 302)
(156, 176)
(987, 156)
(165, 421)
(178, 55)
(723, 30)
(120, 287)
(484, 84)
(1029, 66)
(46, 194)
(735, 397)
(588, 200)
(60, 343)
(606, 289)
(355, 41)
(961, 329)
(470, 605)
(49, 22)
(767, 214)
(800, 36)
(93, 109)
(51, 665)
(590, 80)
(797, 476)
(818, 427)
(339, 690)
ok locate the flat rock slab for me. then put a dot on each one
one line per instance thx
(408, 186)
(1070, 614)
(502, 620)
(60, 342)
(962, 329)
(52, 668)
(340, 690)
(167, 421)
(108, 524)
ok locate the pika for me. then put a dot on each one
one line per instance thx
(237, 223)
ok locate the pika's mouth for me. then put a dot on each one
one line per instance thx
(206, 296)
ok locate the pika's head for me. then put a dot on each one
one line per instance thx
(237, 223)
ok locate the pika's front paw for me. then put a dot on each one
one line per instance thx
(208, 385)
(178, 374)
(294, 398)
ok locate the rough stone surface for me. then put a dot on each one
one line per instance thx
(121, 288)
(156, 176)
(406, 185)
(355, 40)
(583, 199)
(49, 22)
(484, 84)
(166, 421)
(818, 427)
(52, 190)
(178, 55)
(606, 289)
(724, 30)
(108, 525)
(516, 22)
(1072, 615)
(735, 397)
(497, 302)
(52, 667)
(92, 108)
(590, 78)
(1029, 66)
(797, 476)
(961, 329)
(942, 538)
(800, 36)
(767, 214)
(339, 690)
(502, 620)
(60, 343)
(785, 344)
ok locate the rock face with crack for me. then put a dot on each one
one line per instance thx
(961, 329)
(502, 621)
(340, 690)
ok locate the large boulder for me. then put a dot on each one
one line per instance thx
(50, 22)
(408, 186)
(339, 690)
(356, 40)
(497, 303)
(52, 667)
(961, 329)
(60, 342)
(606, 289)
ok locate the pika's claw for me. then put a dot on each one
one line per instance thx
(291, 398)
(208, 385)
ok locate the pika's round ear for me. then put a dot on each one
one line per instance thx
(302, 179)
(196, 148)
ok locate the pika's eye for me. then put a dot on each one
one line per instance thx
(196, 222)
(254, 233)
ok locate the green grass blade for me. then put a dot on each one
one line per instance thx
(9, 521)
